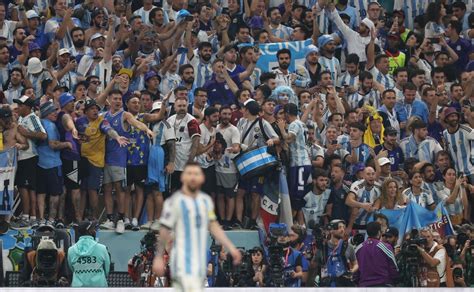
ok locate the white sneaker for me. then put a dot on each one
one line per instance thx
(155, 226)
(108, 224)
(146, 225)
(135, 226)
(127, 224)
(120, 227)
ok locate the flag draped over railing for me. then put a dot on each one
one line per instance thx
(8, 162)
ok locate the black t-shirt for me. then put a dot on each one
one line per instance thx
(338, 200)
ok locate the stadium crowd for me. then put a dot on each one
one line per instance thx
(114, 98)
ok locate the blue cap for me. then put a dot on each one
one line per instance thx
(33, 46)
(65, 98)
(311, 49)
(182, 14)
(324, 40)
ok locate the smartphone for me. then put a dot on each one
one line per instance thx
(189, 18)
(434, 40)
(461, 174)
(334, 142)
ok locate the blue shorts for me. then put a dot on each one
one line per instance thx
(252, 185)
(299, 184)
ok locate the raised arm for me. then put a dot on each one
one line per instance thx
(371, 51)
(65, 24)
(108, 51)
(129, 118)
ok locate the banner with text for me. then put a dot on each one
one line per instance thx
(268, 59)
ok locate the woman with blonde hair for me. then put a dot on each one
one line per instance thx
(390, 196)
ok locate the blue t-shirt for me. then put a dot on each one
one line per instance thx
(220, 92)
(49, 158)
(395, 156)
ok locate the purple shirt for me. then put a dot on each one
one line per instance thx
(377, 264)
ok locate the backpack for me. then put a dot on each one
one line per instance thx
(431, 273)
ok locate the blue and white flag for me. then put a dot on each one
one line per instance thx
(268, 59)
(415, 216)
(8, 161)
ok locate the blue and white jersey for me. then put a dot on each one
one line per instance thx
(69, 79)
(282, 32)
(169, 81)
(344, 141)
(364, 195)
(424, 151)
(52, 26)
(298, 154)
(361, 8)
(5, 72)
(411, 8)
(163, 132)
(332, 65)
(315, 206)
(36, 80)
(460, 147)
(189, 220)
(202, 71)
(385, 79)
(255, 77)
(358, 100)
(347, 79)
(433, 189)
(144, 14)
(423, 199)
(7, 30)
(315, 151)
(156, 57)
(455, 208)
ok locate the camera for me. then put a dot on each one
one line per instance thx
(240, 273)
(189, 18)
(457, 273)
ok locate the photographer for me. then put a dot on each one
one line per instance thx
(458, 275)
(292, 263)
(257, 268)
(377, 264)
(390, 236)
(215, 270)
(89, 260)
(433, 267)
(336, 271)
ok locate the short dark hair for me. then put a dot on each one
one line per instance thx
(427, 89)
(365, 75)
(317, 172)
(380, 57)
(283, 51)
(202, 89)
(152, 14)
(191, 164)
(399, 69)
(331, 117)
(352, 59)
(184, 67)
(210, 111)
(270, 10)
(373, 229)
(267, 76)
(388, 91)
(437, 70)
(179, 88)
(76, 28)
(115, 91)
(203, 45)
(409, 86)
(459, 4)
(454, 85)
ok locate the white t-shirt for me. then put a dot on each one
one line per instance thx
(184, 129)
(204, 160)
(231, 136)
(33, 123)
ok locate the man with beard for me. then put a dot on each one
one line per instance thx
(157, 19)
(226, 172)
(283, 75)
(205, 156)
(186, 72)
(20, 43)
(396, 59)
(400, 76)
(394, 152)
(327, 60)
(236, 18)
(98, 23)
(15, 86)
(189, 209)
(221, 88)
(340, 254)
(361, 198)
(78, 40)
(336, 205)
(356, 41)
(349, 80)
(99, 63)
(247, 55)
(35, 29)
(202, 63)
(188, 134)
(457, 138)
(152, 83)
(278, 30)
(366, 95)
(427, 171)
(420, 146)
(66, 70)
(311, 70)
(316, 200)
(410, 106)
(59, 27)
(117, 63)
(137, 160)
(300, 164)
(388, 113)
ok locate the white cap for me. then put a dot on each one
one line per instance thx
(31, 14)
(96, 36)
(64, 51)
(156, 105)
(34, 66)
(383, 161)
